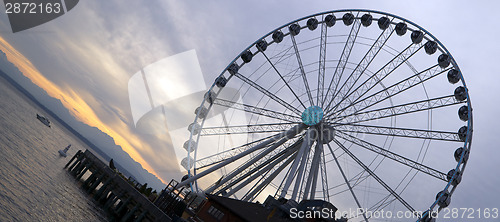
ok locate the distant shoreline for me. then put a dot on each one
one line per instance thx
(31, 99)
(88, 137)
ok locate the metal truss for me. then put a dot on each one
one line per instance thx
(259, 173)
(315, 177)
(219, 157)
(256, 110)
(301, 170)
(397, 110)
(267, 93)
(378, 76)
(259, 168)
(347, 182)
(299, 160)
(302, 71)
(281, 76)
(322, 61)
(311, 174)
(394, 89)
(267, 178)
(380, 181)
(225, 155)
(306, 172)
(285, 135)
(285, 146)
(393, 156)
(244, 129)
(362, 65)
(324, 176)
(399, 132)
(344, 57)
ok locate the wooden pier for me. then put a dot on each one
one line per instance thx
(119, 198)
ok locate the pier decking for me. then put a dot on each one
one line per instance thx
(119, 198)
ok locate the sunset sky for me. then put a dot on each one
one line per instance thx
(86, 57)
(77, 105)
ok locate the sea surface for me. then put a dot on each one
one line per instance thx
(33, 184)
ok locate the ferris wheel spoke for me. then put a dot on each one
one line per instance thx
(378, 76)
(324, 176)
(347, 182)
(222, 156)
(302, 71)
(377, 178)
(394, 89)
(256, 110)
(266, 173)
(302, 153)
(252, 189)
(288, 134)
(311, 181)
(283, 79)
(301, 172)
(246, 129)
(393, 156)
(356, 74)
(399, 132)
(308, 164)
(260, 170)
(267, 93)
(322, 61)
(252, 163)
(397, 110)
(344, 57)
(266, 179)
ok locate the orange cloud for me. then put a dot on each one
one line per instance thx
(75, 104)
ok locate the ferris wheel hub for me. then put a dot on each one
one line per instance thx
(312, 115)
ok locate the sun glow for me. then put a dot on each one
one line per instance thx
(77, 106)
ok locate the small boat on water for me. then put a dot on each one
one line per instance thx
(63, 152)
(43, 119)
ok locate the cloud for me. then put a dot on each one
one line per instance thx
(77, 105)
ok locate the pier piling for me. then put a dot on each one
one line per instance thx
(118, 198)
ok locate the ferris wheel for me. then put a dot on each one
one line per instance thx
(360, 108)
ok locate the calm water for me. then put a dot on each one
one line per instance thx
(33, 184)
